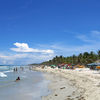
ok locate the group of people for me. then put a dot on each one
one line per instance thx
(15, 70)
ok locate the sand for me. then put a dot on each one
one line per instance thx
(79, 84)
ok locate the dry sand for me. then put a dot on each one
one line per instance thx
(79, 84)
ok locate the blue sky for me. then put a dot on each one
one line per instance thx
(37, 30)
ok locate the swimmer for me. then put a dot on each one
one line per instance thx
(18, 79)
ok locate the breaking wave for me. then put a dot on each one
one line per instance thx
(2, 74)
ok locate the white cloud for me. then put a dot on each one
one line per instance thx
(84, 38)
(60, 49)
(68, 50)
(95, 32)
(9, 59)
(91, 37)
(25, 58)
(23, 47)
(26, 55)
(88, 42)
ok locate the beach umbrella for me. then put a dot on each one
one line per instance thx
(98, 67)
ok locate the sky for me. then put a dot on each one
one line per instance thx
(33, 31)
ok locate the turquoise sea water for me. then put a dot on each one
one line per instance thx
(31, 86)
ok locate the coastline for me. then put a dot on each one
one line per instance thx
(80, 84)
(60, 88)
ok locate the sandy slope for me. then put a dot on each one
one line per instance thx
(81, 84)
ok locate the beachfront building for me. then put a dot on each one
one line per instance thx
(93, 65)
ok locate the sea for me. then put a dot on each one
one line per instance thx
(32, 84)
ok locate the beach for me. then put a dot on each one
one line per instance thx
(78, 84)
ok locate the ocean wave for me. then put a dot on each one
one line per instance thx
(2, 74)
(8, 71)
(3, 67)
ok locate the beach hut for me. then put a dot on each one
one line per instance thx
(93, 65)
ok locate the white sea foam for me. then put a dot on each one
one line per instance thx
(8, 71)
(2, 74)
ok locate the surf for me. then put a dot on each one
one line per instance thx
(2, 74)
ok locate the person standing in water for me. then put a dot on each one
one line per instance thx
(16, 69)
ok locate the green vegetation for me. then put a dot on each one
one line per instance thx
(82, 58)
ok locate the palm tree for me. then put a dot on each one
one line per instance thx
(98, 54)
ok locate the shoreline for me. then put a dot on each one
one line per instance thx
(60, 88)
(85, 81)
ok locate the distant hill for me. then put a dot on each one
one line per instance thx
(35, 64)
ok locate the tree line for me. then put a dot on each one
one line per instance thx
(82, 59)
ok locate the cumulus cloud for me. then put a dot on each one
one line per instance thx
(25, 55)
(23, 47)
